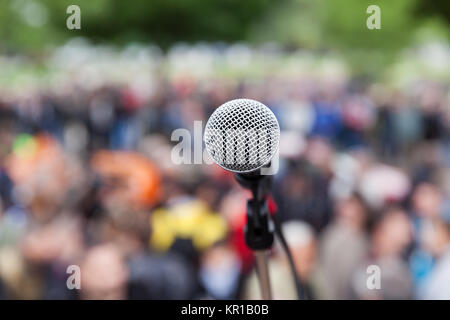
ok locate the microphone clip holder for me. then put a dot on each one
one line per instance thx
(259, 229)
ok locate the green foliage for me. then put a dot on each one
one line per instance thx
(337, 25)
(160, 21)
(340, 26)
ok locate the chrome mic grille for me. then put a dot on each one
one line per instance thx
(242, 135)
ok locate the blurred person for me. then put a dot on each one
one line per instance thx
(15, 281)
(383, 185)
(327, 114)
(104, 273)
(426, 205)
(187, 226)
(162, 276)
(220, 272)
(6, 141)
(158, 149)
(130, 180)
(430, 104)
(407, 125)
(426, 201)
(437, 285)
(358, 117)
(127, 128)
(302, 243)
(234, 210)
(101, 116)
(385, 127)
(46, 179)
(47, 250)
(37, 167)
(128, 229)
(343, 247)
(210, 192)
(302, 192)
(295, 115)
(320, 153)
(391, 234)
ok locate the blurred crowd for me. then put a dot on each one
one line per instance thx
(87, 179)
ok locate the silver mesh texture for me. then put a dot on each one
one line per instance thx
(242, 135)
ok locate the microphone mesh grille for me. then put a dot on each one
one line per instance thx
(242, 135)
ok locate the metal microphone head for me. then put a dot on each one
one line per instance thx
(242, 135)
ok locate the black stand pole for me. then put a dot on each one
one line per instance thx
(259, 228)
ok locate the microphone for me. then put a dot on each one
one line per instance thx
(242, 136)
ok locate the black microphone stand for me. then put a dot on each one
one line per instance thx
(259, 229)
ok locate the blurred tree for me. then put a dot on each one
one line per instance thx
(161, 21)
(338, 25)
(436, 8)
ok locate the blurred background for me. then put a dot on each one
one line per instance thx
(87, 177)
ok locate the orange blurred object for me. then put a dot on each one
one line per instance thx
(40, 153)
(137, 174)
